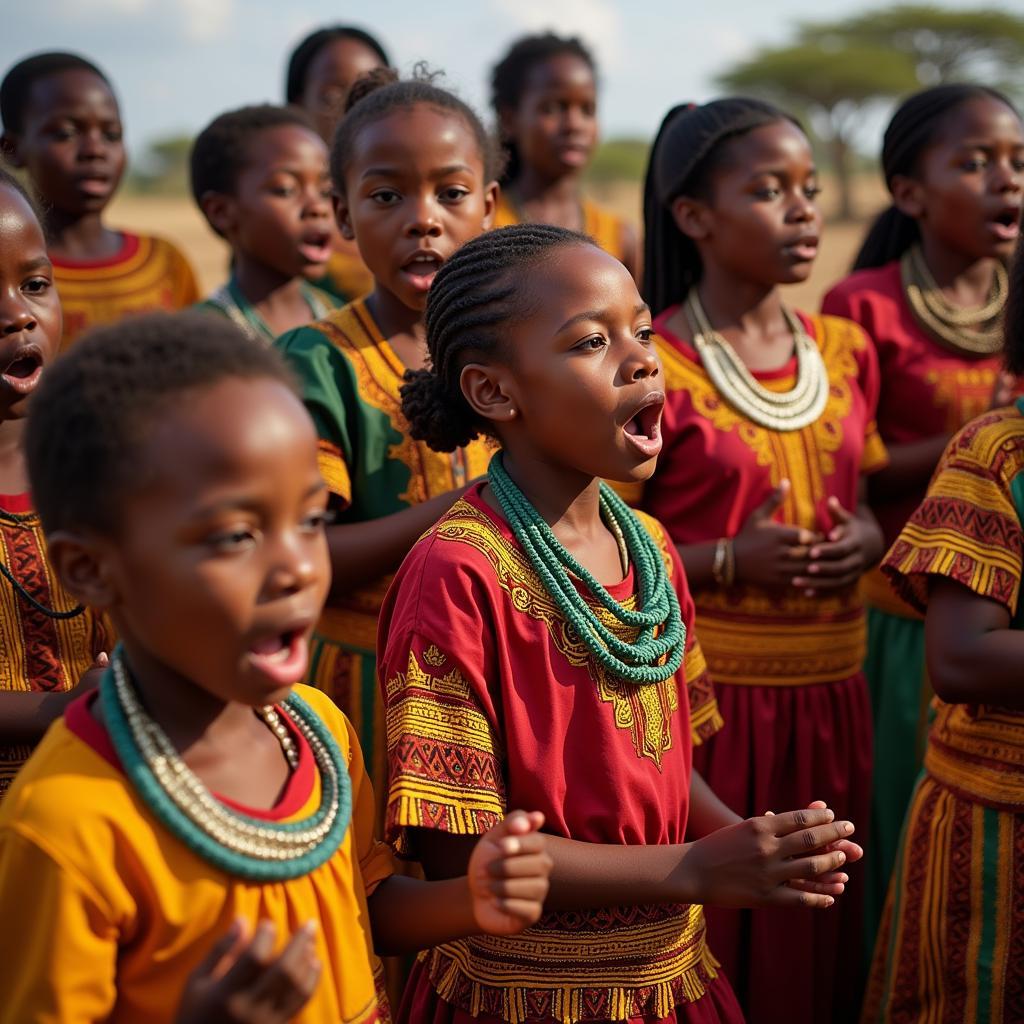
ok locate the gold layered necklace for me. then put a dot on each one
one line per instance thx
(777, 410)
(956, 327)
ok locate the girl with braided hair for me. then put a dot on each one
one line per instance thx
(769, 431)
(537, 644)
(929, 287)
(544, 95)
(413, 172)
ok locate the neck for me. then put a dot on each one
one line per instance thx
(567, 500)
(741, 308)
(965, 280)
(80, 236)
(188, 714)
(263, 286)
(394, 317)
(13, 475)
(531, 186)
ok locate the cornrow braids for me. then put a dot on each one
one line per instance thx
(914, 127)
(380, 93)
(95, 406)
(510, 74)
(478, 291)
(689, 148)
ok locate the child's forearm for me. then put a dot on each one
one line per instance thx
(407, 914)
(707, 812)
(24, 717)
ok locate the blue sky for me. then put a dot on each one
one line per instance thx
(178, 63)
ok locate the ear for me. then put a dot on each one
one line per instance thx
(221, 211)
(491, 193)
(692, 217)
(11, 150)
(82, 564)
(489, 392)
(342, 216)
(908, 196)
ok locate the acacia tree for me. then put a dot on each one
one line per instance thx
(834, 84)
(837, 71)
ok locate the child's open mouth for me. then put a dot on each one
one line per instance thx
(23, 371)
(315, 247)
(422, 268)
(643, 429)
(1006, 225)
(282, 657)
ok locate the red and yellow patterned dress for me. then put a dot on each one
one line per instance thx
(603, 226)
(350, 378)
(951, 945)
(494, 703)
(928, 390)
(786, 667)
(38, 653)
(145, 275)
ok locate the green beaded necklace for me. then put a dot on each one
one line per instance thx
(654, 656)
(242, 846)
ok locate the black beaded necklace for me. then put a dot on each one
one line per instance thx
(19, 519)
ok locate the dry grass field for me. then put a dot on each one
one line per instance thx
(178, 220)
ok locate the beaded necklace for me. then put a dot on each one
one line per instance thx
(657, 652)
(776, 410)
(952, 325)
(236, 843)
(232, 301)
(20, 519)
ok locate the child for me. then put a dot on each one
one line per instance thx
(950, 945)
(48, 641)
(544, 94)
(259, 175)
(200, 796)
(769, 428)
(61, 123)
(413, 173)
(929, 287)
(539, 640)
(321, 71)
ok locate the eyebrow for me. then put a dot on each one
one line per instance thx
(231, 504)
(39, 263)
(394, 172)
(598, 314)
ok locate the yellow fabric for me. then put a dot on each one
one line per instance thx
(348, 274)
(603, 226)
(112, 913)
(154, 275)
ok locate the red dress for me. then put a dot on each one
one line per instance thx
(786, 667)
(493, 702)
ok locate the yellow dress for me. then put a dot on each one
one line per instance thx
(106, 913)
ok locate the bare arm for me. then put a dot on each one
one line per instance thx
(974, 657)
(24, 717)
(910, 468)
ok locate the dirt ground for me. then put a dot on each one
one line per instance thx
(178, 220)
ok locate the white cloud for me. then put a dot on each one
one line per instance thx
(205, 20)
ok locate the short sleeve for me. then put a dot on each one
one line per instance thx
(967, 528)
(321, 370)
(443, 752)
(65, 964)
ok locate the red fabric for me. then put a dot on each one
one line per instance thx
(927, 390)
(422, 1005)
(16, 504)
(781, 748)
(128, 248)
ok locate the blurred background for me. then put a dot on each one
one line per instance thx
(840, 66)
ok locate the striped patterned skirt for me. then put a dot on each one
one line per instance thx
(951, 944)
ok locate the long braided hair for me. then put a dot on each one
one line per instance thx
(474, 295)
(688, 149)
(914, 127)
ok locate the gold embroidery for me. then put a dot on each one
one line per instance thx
(963, 392)
(646, 711)
(433, 657)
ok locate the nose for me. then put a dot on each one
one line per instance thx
(317, 204)
(293, 564)
(423, 219)
(1006, 177)
(92, 145)
(641, 361)
(803, 208)
(15, 314)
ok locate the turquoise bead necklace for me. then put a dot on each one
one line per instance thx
(657, 652)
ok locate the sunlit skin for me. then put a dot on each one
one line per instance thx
(328, 79)
(554, 127)
(575, 395)
(966, 198)
(278, 222)
(415, 185)
(759, 228)
(72, 147)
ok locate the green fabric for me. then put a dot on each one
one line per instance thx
(895, 671)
